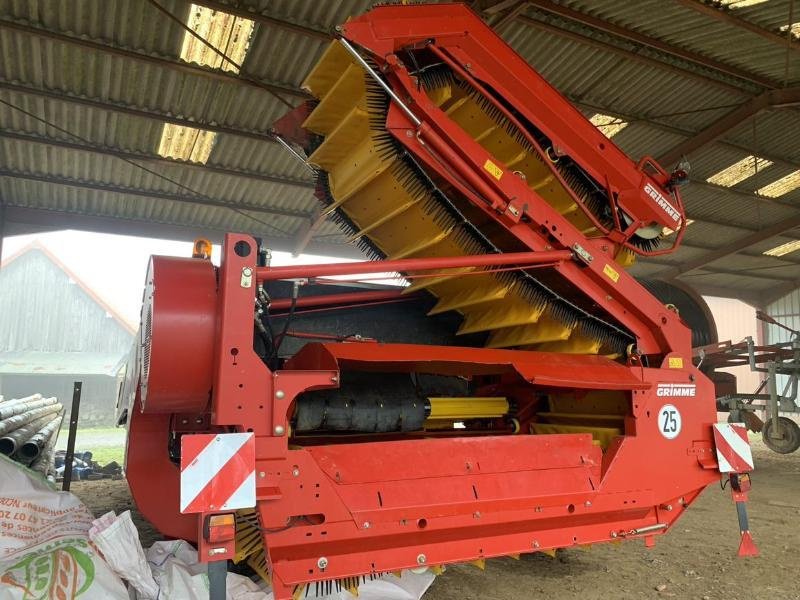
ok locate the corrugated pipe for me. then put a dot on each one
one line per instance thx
(17, 421)
(34, 445)
(10, 442)
(44, 462)
(17, 407)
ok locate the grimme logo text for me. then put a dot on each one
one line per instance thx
(676, 390)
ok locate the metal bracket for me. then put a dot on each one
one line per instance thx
(582, 253)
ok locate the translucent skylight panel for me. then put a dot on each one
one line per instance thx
(608, 125)
(784, 249)
(782, 186)
(740, 3)
(186, 143)
(795, 29)
(229, 34)
(739, 171)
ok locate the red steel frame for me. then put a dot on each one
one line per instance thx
(388, 505)
(518, 259)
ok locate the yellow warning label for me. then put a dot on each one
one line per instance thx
(611, 273)
(493, 169)
(675, 362)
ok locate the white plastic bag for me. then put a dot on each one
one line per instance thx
(179, 575)
(118, 539)
(411, 586)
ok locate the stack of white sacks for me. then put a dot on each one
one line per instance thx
(52, 547)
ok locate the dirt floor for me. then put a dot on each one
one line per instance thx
(695, 560)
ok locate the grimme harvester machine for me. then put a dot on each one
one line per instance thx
(523, 393)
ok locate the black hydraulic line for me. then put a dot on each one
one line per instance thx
(279, 342)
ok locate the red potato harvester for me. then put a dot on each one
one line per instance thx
(522, 393)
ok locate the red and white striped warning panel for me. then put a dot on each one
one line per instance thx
(218, 472)
(733, 448)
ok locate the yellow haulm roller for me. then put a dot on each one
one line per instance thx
(456, 409)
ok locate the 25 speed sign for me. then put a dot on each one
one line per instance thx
(669, 421)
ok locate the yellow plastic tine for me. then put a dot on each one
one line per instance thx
(480, 563)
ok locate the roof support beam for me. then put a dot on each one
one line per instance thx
(755, 274)
(646, 60)
(23, 219)
(766, 274)
(132, 111)
(493, 7)
(152, 194)
(725, 16)
(167, 63)
(655, 44)
(499, 19)
(744, 242)
(135, 156)
(650, 120)
(771, 98)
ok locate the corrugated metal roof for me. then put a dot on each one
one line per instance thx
(319, 15)
(774, 132)
(716, 204)
(673, 23)
(665, 98)
(626, 86)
